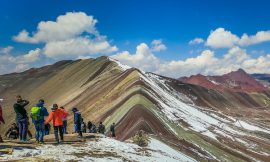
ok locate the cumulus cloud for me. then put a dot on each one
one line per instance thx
(221, 38)
(77, 47)
(66, 26)
(206, 63)
(5, 50)
(259, 37)
(10, 63)
(157, 45)
(196, 41)
(143, 58)
(72, 35)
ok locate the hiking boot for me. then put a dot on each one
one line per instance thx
(37, 142)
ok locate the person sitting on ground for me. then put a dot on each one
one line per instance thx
(38, 113)
(64, 120)
(56, 117)
(1, 118)
(89, 126)
(83, 126)
(101, 128)
(77, 121)
(141, 138)
(13, 132)
(112, 129)
(21, 117)
(93, 129)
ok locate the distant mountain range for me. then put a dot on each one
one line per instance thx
(263, 79)
(207, 118)
(235, 81)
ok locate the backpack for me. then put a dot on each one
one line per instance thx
(36, 113)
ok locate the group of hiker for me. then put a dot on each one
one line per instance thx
(58, 117)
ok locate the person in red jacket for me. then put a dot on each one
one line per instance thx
(1, 118)
(56, 117)
(64, 120)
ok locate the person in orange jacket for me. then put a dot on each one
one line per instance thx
(56, 117)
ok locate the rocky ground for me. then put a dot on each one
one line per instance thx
(90, 148)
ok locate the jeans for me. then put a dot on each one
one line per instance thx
(78, 129)
(60, 130)
(64, 126)
(47, 129)
(39, 131)
(23, 128)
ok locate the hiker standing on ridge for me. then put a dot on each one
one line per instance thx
(21, 117)
(112, 129)
(64, 120)
(38, 113)
(1, 118)
(77, 121)
(56, 117)
(101, 128)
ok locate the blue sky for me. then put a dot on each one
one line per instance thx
(127, 24)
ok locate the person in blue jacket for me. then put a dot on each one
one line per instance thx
(77, 121)
(39, 121)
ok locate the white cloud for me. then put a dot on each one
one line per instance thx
(77, 47)
(196, 41)
(66, 26)
(10, 63)
(143, 58)
(261, 36)
(221, 38)
(157, 45)
(206, 63)
(71, 36)
(6, 50)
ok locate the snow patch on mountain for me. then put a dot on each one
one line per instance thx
(123, 66)
(104, 149)
(177, 106)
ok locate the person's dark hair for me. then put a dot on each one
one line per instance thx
(74, 109)
(41, 101)
(62, 107)
(55, 106)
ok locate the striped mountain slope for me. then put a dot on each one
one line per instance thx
(205, 124)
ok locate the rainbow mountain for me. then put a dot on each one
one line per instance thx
(203, 124)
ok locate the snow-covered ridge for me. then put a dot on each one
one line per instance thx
(177, 106)
(123, 66)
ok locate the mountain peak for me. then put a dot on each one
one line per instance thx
(235, 81)
(241, 70)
